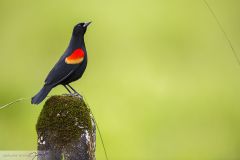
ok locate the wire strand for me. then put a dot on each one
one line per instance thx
(13, 102)
(223, 31)
(100, 135)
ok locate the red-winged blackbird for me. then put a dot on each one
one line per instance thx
(70, 67)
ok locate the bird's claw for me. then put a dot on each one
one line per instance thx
(76, 95)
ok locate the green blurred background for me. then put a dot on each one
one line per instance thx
(161, 80)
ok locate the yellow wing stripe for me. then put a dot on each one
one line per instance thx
(73, 61)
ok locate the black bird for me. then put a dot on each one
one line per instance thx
(70, 67)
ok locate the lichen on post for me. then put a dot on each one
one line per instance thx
(66, 130)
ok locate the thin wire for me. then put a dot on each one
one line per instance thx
(223, 31)
(100, 135)
(13, 102)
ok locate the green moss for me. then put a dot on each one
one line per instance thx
(63, 119)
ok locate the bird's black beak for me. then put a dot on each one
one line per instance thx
(86, 24)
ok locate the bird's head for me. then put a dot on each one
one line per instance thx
(80, 29)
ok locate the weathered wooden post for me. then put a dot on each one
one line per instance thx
(66, 130)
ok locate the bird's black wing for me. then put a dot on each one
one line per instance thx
(60, 72)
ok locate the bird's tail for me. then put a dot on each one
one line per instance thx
(41, 95)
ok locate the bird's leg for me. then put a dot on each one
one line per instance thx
(67, 89)
(75, 92)
(72, 88)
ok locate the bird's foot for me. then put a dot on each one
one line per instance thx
(76, 95)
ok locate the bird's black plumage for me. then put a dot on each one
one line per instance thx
(70, 67)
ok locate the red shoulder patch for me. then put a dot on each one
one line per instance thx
(76, 57)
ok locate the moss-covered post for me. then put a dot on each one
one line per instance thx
(66, 130)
